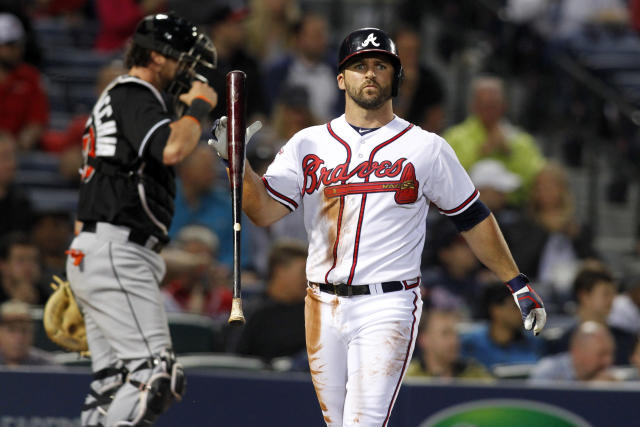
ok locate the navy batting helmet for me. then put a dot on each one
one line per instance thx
(371, 40)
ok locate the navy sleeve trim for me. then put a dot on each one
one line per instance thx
(472, 216)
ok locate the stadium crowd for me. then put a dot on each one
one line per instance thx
(57, 55)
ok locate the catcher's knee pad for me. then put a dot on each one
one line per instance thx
(160, 381)
(102, 390)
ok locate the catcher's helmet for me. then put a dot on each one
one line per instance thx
(371, 40)
(177, 38)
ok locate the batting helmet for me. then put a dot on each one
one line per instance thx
(371, 40)
(177, 38)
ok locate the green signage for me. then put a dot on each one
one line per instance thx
(504, 413)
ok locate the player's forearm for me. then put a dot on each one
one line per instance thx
(184, 136)
(488, 244)
(261, 209)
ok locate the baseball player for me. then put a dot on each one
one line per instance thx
(366, 181)
(131, 141)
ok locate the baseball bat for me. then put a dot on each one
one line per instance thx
(236, 130)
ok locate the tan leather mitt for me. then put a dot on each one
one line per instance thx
(63, 321)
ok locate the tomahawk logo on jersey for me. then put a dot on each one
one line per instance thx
(344, 180)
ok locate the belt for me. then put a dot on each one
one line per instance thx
(142, 239)
(344, 290)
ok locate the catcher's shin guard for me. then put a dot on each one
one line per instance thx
(152, 386)
(104, 387)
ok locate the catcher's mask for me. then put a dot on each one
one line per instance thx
(367, 41)
(177, 38)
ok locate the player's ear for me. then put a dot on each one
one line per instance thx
(340, 79)
(156, 58)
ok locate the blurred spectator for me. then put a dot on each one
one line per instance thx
(575, 15)
(589, 357)
(308, 66)
(594, 291)
(421, 95)
(196, 11)
(634, 11)
(202, 198)
(24, 106)
(269, 27)
(118, 20)
(52, 232)
(635, 360)
(275, 327)
(502, 340)
(625, 310)
(439, 349)
(229, 35)
(495, 183)
(195, 282)
(17, 213)
(61, 141)
(21, 9)
(16, 337)
(549, 242)
(21, 270)
(458, 279)
(290, 115)
(71, 9)
(486, 133)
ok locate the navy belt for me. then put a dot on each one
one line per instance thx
(139, 238)
(344, 290)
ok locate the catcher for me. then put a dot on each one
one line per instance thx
(132, 140)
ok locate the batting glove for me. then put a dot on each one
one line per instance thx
(219, 136)
(530, 304)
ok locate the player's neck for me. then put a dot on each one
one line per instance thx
(146, 74)
(364, 118)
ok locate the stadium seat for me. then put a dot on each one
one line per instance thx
(192, 333)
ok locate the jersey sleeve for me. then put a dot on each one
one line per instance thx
(449, 186)
(281, 178)
(143, 120)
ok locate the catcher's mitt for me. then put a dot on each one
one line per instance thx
(63, 321)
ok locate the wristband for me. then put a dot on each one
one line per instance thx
(517, 283)
(199, 109)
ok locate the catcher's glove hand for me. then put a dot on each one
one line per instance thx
(63, 321)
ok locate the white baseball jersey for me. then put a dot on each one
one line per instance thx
(366, 197)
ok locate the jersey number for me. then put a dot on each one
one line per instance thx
(88, 150)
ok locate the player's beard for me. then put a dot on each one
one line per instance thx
(369, 102)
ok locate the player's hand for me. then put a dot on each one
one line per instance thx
(530, 304)
(219, 135)
(200, 90)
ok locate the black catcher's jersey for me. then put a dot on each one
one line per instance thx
(124, 181)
